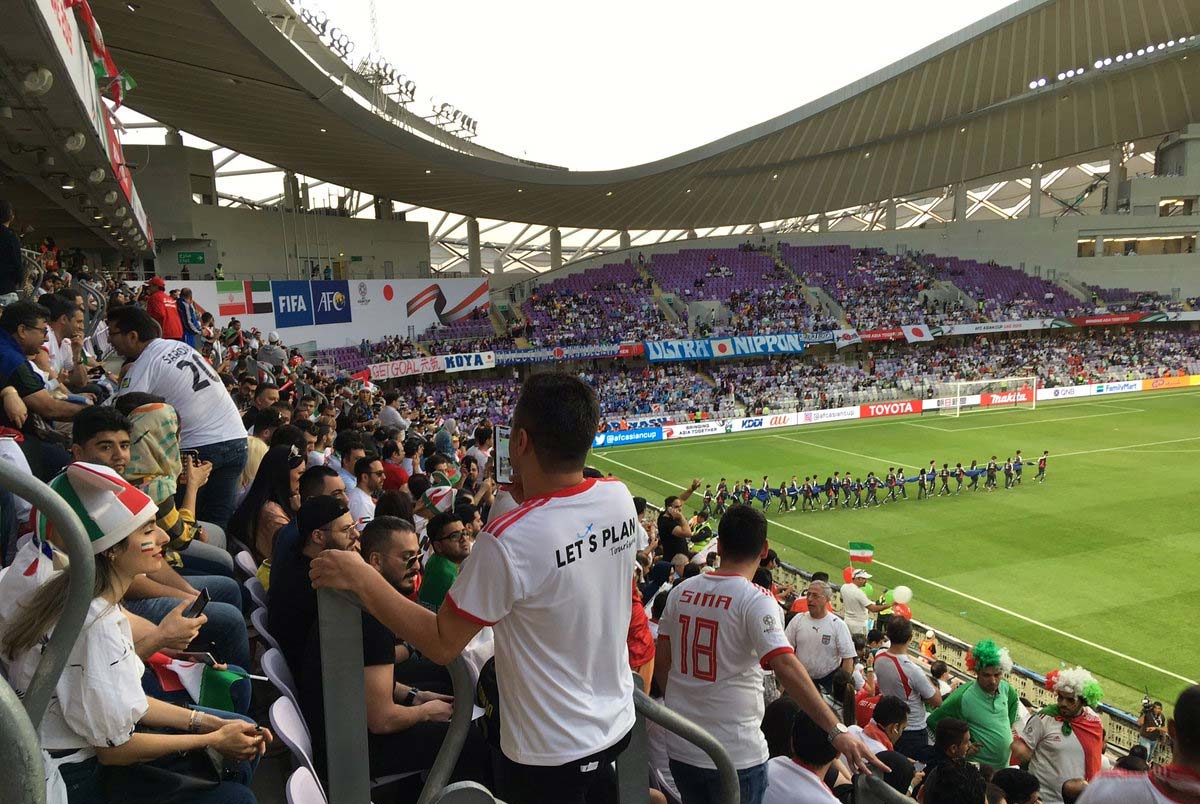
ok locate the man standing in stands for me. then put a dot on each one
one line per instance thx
(208, 420)
(557, 567)
(11, 273)
(989, 704)
(821, 640)
(717, 634)
(856, 606)
(1066, 739)
(673, 531)
(369, 473)
(897, 674)
(163, 309)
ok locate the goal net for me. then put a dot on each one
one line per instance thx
(955, 398)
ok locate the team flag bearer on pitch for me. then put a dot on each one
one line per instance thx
(862, 553)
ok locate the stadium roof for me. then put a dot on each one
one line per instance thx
(971, 108)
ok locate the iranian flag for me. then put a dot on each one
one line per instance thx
(862, 553)
(206, 685)
(244, 298)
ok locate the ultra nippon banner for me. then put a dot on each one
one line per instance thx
(789, 343)
(320, 310)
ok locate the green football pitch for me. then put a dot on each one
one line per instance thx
(1098, 566)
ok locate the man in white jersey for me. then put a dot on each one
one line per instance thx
(545, 575)
(1177, 783)
(821, 640)
(856, 606)
(897, 674)
(718, 633)
(209, 422)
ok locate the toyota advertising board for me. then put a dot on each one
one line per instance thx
(901, 408)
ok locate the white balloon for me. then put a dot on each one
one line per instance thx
(902, 594)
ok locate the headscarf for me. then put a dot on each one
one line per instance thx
(154, 461)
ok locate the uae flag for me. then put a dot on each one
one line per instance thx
(862, 553)
(244, 298)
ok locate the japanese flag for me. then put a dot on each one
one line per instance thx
(916, 332)
(722, 347)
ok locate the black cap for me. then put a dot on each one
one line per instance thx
(317, 512)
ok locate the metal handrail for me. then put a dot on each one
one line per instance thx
(80, 588)
(729, 790)
(20, 717)
(34, 270)
(92, 320)
(20, 749)
(339, 619)
(870, 789)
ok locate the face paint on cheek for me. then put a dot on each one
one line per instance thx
(148, 546)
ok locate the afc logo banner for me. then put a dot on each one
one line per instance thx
(293, 304)
(331, 302)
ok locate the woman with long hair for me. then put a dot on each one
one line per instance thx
(270, 503)
(102, 739)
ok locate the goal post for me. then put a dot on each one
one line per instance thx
(955, 398)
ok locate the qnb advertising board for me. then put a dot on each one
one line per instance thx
(340, 312)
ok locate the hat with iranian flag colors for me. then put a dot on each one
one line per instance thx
(109, 507)
(440, 498)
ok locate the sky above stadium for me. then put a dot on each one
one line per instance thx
(596, 86)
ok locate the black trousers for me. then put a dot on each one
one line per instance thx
(590, 780)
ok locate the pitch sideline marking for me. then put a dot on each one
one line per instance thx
(1025, 424)
(945, 588)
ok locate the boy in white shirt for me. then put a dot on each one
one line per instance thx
(800, 778)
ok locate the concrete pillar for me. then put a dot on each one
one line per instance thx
(1035, 191)
(474, 261)
(291, 191)
(960, 202)
(173, 137)
(304, 196)
(384, 211)
(1099, 245)
(555, 249)
(889, 215)
(1116, 172)
(497, 266)
(625, 241)
(822, 223)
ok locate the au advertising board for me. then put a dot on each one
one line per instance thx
(765, 422)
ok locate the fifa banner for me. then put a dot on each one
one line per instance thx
(792, 343)
(340, 312)
(551, 354)
(625, 438)
(470, 361)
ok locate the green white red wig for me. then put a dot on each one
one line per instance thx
(987, 653)
(1075, 682)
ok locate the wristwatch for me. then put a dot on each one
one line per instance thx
(838, 730)
(411, 697)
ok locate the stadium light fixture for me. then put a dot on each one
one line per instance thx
(1141, 51)
(1033, 84)
(323, 131)
(1099, 63)
(1041, 82)
(96, 176)
(1120, 58)
(608, 193)
(132, 6)
(520, 189)
(427, 172)
(37, 81)
(774, 176)
(68, 182)
(110, 197)
(1062, 76)
(74, 143)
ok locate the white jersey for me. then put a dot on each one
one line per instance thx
(362, 507)
(1056, 756)
(179, 374)
(1165, 785)
(552, 577)
(791, 783)
(723, 630)
(854, 606)
(904, 678)
(820, 644)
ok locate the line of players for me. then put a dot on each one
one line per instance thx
(848, 491)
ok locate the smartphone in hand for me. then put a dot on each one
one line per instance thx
(197, 607)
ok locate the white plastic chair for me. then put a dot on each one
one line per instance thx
(257, 593)
(245, 563)
(275, 666)
(258, 618)
(303, 787)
